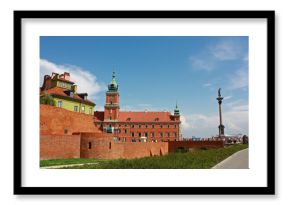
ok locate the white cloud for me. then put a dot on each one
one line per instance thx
(227, 50)
(239, 79)
(86, 81)
(211, 56)
(227, 97)
(200, 63)
(235, 120)
(207, 85)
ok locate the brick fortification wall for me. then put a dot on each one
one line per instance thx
(104, 147)
(66, 134)
(59, 146)
(100, 145)
(58, 121)
(96, 145)
(172, 146)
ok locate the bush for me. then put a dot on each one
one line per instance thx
(47, 100)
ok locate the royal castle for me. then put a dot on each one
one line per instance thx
(70, 128)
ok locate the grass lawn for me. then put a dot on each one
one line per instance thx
(199, 159)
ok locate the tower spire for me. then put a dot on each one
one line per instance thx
(176, 110)
(113, 86)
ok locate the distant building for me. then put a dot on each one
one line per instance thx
(64, 93)
(194, 138)
(136, 126)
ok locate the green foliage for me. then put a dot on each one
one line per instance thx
(198, 159)
(47, 100)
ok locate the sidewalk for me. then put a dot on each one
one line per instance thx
(239, 160)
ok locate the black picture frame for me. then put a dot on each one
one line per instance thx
(268, 190)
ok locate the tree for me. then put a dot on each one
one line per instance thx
(47, 100)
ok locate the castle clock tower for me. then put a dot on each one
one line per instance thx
(112, 107)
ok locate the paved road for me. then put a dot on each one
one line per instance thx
(239, 160)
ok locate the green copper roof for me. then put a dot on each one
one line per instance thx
(113, 81)
(113, 86)
(176, 110)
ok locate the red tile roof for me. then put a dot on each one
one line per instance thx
(99, 116)
(61, 92)
(138, 116)
(144, 116)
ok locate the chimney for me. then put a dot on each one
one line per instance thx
(66, 76)
(46, 82)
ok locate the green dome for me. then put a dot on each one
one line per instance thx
(176, 111)
(113, 86)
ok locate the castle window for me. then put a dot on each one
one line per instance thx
(156, 119)
(59, 103)
(175, 126)
(139, 134)
(132, 134)
(153, 126)
(140, 126)
(83, 109)
(76, 108)
(146, 134)
(132, 126)
(175, 134)
(125, 131)
(111, 102)
(146, 126)
(128, 119)
(90, 145)
(161, 126)
(110, 117)
(124, 139)
(152, 134)
(65, 131)
(168, 134)
(168, 126)
(161, 134)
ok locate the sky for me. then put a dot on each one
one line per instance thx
(155, 72)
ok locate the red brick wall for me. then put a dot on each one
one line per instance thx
(103, 147)
(54, 120)
(59, 146)
(139, 149)
(100, 145)
(172, 146)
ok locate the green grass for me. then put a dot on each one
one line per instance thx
(199, 159)
(53, 162)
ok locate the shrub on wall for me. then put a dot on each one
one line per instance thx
(47, 100)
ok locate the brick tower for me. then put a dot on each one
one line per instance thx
(112, 107)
